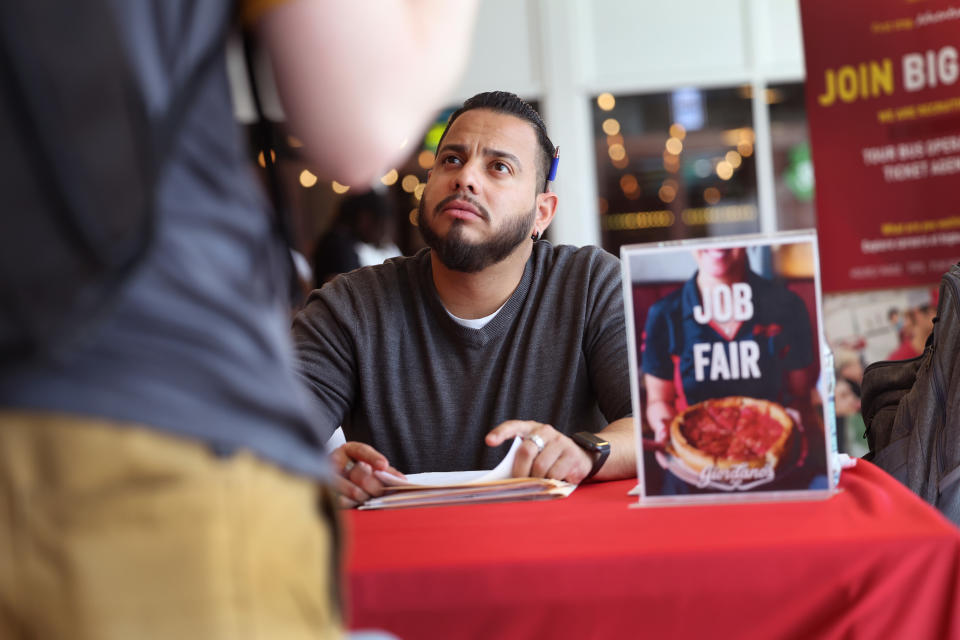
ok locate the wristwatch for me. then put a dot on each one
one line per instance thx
(595, 446)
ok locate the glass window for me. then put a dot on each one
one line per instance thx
(792, 165)
(675, 165)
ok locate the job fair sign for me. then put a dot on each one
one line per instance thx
(883, 106)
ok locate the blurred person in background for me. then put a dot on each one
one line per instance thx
(850, 425)
(923, 323)
(160, 476)
(917, 327)
(895, 318)
(848, 364)
(362, 235)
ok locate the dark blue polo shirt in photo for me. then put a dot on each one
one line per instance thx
(776, 339)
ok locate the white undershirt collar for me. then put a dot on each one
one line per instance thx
(474, 323)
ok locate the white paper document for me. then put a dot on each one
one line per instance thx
(447, 478)
(466, 487)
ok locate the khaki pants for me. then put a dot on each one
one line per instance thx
(111, 531)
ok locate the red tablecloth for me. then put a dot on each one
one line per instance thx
(871, 562)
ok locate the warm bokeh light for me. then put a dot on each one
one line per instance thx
(719, 215)
(734, 159)
(622, 163)
(617, 152)
(667, 193)
(307, 179)
(390, 178)
(674, 146)
(606, 101)
(414, 217)
(638, 220)
(677, 131)
(671, 162)
(611, 127)
(294, 142)
(615, 139)
(425, 159)
(724, 170)
(774, 96)
(262, 162)
(603, 206)
(711, 195)
(418, 191)
(629, 184)
(733, 137)
(409, 182)
(339, 188)
(745, 149)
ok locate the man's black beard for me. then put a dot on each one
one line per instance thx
(458, 254)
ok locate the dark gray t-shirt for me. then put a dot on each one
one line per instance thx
(384, 358)
(198, 342)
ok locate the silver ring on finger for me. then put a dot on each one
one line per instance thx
(536, 440)
(349, 466)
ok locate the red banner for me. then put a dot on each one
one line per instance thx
(883, 106)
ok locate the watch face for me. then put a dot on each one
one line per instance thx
(591, 441)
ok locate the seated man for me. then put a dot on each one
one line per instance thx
(436, 361)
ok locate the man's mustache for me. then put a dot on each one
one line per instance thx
(484, 214)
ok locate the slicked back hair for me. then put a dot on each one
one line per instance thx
(509, 103)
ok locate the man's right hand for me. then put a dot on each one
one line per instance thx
(355, 481)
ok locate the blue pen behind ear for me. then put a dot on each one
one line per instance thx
(553, 165)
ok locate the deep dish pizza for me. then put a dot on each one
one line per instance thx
(726, 432)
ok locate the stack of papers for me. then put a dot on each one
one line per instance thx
(461, 487)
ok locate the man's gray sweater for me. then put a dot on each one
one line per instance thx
(385, 360)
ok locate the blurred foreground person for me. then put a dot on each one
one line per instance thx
(159, 476)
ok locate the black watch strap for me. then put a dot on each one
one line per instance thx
(597, 447)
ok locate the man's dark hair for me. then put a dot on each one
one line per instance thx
(509, 103)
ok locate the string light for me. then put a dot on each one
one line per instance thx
(724, 170)
(390, 178)
(426, 159)
(610, 126)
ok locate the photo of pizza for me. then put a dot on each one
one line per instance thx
(724, 433)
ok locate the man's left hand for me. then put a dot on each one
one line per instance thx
(560, 458)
